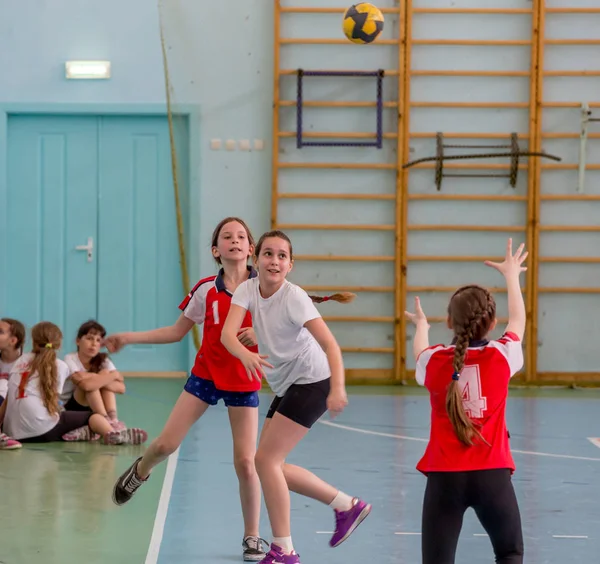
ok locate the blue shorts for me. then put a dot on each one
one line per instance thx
(205, 390)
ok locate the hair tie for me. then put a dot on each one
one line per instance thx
(455, 376)
(48, 345)
(326, 298)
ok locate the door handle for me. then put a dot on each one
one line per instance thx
(89, 248)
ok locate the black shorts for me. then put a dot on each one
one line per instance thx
(69, 421)
(302, 403)
(74, 405)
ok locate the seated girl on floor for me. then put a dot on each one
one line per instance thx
(12, 338)
(31, 412)
(93, 379)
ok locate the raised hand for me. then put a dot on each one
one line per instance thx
(419, 315)
(511, 265)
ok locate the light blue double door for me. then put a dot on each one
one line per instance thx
(91, 229)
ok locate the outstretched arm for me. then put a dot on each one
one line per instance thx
(171, 334)
(421, 338)
(511, 270)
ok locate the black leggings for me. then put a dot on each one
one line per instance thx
(491, 494)
(69, 421)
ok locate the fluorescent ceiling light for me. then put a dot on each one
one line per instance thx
(87, 69)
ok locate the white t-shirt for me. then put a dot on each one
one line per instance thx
(26, 415)
(75, 365)
(5, 368)
(278, 322)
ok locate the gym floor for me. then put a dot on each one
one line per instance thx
(57, 506)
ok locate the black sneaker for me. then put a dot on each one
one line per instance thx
(253, 549)
(127, 484)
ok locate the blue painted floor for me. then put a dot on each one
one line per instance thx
(557, 483)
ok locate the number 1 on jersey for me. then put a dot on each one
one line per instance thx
(470, 386)
(216, 312)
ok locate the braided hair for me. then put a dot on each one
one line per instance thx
(471, 313)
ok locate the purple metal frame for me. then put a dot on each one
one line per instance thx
(379, 74)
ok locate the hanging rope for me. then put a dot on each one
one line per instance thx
(180, 229)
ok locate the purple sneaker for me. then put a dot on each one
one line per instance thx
(276, 556)
(347, 521)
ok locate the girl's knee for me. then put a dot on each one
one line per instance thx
(265, 461)
(244, 467)
(164, 446)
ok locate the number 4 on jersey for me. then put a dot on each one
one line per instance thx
(470, 386)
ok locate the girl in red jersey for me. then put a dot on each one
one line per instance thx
(216, 375)
(468, 462)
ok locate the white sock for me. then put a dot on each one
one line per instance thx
(285, 543)
(341, 502)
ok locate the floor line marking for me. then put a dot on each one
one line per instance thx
(569, 536)
(162, 510)
(417, 439)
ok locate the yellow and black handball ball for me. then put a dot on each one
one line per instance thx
(363, 23)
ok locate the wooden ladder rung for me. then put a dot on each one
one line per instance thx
(353, 289)
(572, 73)
(357, 319)
(310, 10)
(462, 227)
(337, 135)
(557, 290)
(330, 41)
(570, 228)
(474, 105)
(450, 289)
(334, 104)
(347, 166)
(570, 197)
(481, 11)
(451, 258)
(294, 72)
(472, 73)
(570, 260)
(331, 227)
(339, 258)
(482, 42)
(567, 166)
(315, 196)
(464, 135)
(468, 197)
(572, 41)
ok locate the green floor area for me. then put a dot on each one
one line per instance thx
(56, 498)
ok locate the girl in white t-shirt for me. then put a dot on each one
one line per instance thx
(306, 372)
(12, 338)
(93, 379)
(31, 411)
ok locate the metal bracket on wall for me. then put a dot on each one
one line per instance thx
(586, 118)
(514, 155)
(378, 143)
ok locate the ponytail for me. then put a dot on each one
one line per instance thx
(44, 365)
(46, 339)
(464, 428)
(341, 297)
